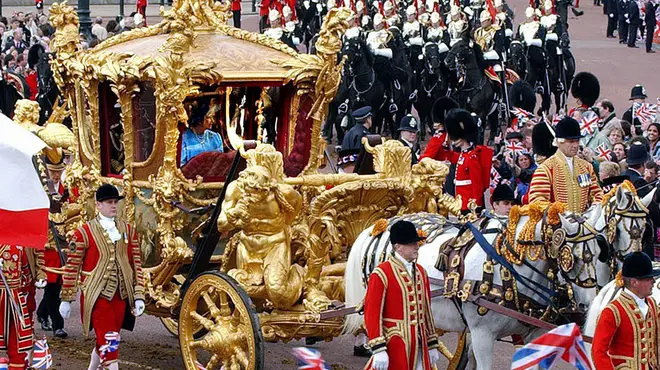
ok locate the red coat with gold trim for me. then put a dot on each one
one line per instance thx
(472, 168)
(91, 258)
(16, 268)
(397, 315)
(625, 340)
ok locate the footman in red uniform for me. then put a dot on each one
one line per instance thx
(106, 262)
(626, 334)
(397, 308)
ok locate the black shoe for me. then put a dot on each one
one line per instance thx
(60, 333)
(361, 351)
(45, 324)
(312, 340)
(611, 36)
(622, 42)
(633, 46)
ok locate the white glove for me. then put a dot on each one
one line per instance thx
(41, 283)
(139, 308)
(306, 4)
(508, 32)
(296, 40)
(381, 361)
(434, 356)
(417, 41)
(387, 53)
(65, 309)
(611, 15)
(628, 21)
(319, 8)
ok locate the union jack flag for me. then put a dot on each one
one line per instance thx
(589, 122)
(495, 178)
(309, 359)
(4, 363)
(111, 345)
(563, 342)
(645, 112)
(41, 356)
(515, 147)
(522, 115)
(603, 152)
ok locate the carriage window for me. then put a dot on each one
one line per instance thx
(144, 122)
(112, 131)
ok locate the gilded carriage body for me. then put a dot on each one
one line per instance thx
(285, 221)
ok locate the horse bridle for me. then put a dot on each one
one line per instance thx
(584, 234)
(637, 224)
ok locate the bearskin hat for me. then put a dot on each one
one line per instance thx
(35, 54)
(441, 107)
(542, 138)
(461, 125)
(585, 87)
(522, 95)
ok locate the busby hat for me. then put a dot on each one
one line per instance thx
(542, 137)
(502, 192)
(404, 232)
(441, 107)
(568, 128)
(522, 95)
(408, 123)
(460, 125)
(637, 92)
(34, 54)
(361, 114)
(638, 265)
(585, 87)
(637, 154)
(107, 192)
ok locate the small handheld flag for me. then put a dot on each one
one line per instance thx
(588, 123)
(515, 147)
(563, 342)
(41, 356)
(309, 359)
(603, 152)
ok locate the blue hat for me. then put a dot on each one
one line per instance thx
(408, 123)
(637, 154)
(568, 128)
(361, 114)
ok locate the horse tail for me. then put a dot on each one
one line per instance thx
(355, 286)
(596, 307)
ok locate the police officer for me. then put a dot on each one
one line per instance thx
(612, 11)
(637, 95)
(634, 21)
(352, 143)
(408, 129)
(623, 20)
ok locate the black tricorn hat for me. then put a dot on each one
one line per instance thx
(522, 95)
(502, 192)
(34, 54)
(404, 232)
(460, 125)
(637, 92)
(586, 87)
(441, 107)
(639, 266)
(568, 128)
(107, 192)
(542, 137)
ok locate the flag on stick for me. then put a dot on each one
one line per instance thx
(564, 342)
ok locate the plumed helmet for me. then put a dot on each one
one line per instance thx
(378, 19)
(424, 18)
(273, 15)
(538, 13)
(542, 138)
(435, 18)
(585, 87)
(359, 6)
(460, 124)
(547, 5)
(522, 95)
(35, 54)
(498, 3)
(331, 4)
(286, 11)
(454, 10)
(388, 5)
(485, 16)
(441, 107)
(529, 12)
(410, 10)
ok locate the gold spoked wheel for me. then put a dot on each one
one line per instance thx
(171, 325)
(232, 336)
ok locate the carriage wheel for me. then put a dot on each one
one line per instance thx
(232, 335)
(171, 324)
(459, 360)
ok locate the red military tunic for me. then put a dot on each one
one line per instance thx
(110, 275)
(15, 337)
(625, 340)
(397, 315)
(472, 168)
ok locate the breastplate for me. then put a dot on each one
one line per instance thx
(435, 34)
(528, 31)
(411, 29)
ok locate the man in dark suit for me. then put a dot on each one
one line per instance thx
(622, 7)
(408, 129)
(649, 18)
(611, 10)
(637, 156)
(634, 21)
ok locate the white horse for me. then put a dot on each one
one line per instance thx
(452, 316)
(623, 223)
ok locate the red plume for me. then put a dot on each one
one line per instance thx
(353, 6)
(292, 6)
(458, 3)
(532, 4)
(491, 10)
(436, 8)
(381, 9)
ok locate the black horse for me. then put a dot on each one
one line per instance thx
(48, 93)
(402, 84)
(433, 84)
(12, 88)
(517, 60)
(561, 69)
(362, 88)
(470, 87)
(311, 19)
